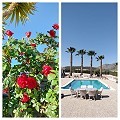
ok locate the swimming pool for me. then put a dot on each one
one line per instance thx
(77, 83)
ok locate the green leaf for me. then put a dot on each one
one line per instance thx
(39, 77)
(24, 106)
(38, 103)
(6, 81)
(52, 100)
(53, 71)
(57, 61)
(17, 95)
(33, 101)
(4, 67)
(53, 107)
(14, 111)
(31, 74)
(28, 91)
(48, 95)
(37, 57)
(37, 108)
(54, 82)
(51, 76)
(17, 90)
(34, 105)
(29, 109)
(35, 92)
(50, 112)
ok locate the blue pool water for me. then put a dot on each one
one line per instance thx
(77, 83)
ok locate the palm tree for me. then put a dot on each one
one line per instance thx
(91, 54)
(81, 52)
(71, 50)
(100, 58)
(18, 11)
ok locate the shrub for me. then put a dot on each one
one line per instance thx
(32, 84)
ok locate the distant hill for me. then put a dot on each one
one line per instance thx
(78, 67)
(109, 67)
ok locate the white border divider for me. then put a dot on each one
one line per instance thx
(59, 59)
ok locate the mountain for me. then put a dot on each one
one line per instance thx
(111, 67)
(78, 68)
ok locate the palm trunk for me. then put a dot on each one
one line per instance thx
(81, 64)
(91, 67)
(10, 9)
(101, 68)
(71, 64)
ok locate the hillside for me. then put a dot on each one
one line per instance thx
(109, 67)
(78, 67)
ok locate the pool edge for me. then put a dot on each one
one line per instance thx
(109, 87)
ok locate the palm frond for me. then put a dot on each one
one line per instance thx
(91, 53)
(20, 12)
(71, 50)
(100, 57)
(67, 51)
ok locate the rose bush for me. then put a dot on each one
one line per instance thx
(32, 83)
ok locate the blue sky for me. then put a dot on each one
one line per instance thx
(42, 21)
(89, 26)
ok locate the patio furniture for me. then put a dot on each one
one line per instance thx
(86, 76)
(83, 86)
(77, 76)
(62, 96)
(99, 92)
(73, 92)
(82, 93)
(90, 86)
(92, 93)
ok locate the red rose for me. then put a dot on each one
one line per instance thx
(56, 26)
(22, 81)
(52, 33)
(25, 98)
(32, 83)
(28, 34)
(46, 70)
(6, 90)
(26, 82)
(9, 33)
(33, 45)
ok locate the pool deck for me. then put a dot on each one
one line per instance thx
(72, 107)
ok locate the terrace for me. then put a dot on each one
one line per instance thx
(76, 107)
